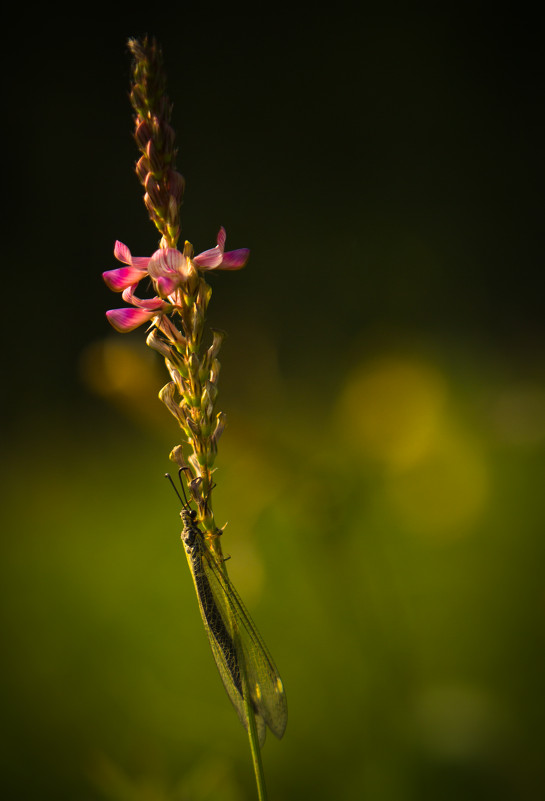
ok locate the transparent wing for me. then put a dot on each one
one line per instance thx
(237, 646)
(234, 691)
(265, 685)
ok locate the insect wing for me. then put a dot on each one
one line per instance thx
(264, 682)
(220, 630)
(233, 691)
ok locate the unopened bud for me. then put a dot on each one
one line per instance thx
(142, 134)
(148, 202)
(142, 169)
(172, 207)
(155, 158)
(154, 190)
(138, 99)
(176, 185)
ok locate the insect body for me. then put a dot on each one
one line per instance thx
(244, 663)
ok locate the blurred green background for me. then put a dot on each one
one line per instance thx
(384, 380)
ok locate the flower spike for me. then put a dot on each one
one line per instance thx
(177, 309)
(177, 314)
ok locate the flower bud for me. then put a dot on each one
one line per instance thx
(138, 98)
(142, 169)
(152, 211)
(153, 188)
(142, 134)
(172, 210)
(176, 185)
(155, 158)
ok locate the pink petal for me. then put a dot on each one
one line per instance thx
(122, 253)
(169, 263)
(165, 286)
(150, 304)
(209, 259)
(215, 258)
(234, 259)
(124, 320)
(141, 262)
(123, 277)
(172, 259)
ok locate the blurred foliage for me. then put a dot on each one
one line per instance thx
(384, 382)
(388, 542)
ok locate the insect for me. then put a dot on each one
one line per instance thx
(245, 665)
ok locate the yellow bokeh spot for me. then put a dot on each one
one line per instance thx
(395, 411)
(392, 409)
(443, 494)
(128, 376)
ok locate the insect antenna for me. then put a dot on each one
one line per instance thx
(183, 500)
(193, 484)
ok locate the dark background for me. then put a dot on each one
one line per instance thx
(384, 380)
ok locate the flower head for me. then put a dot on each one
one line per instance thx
(169, 270)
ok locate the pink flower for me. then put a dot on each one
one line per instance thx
(124, 277)
(125, 320)
(217, 259)
(168, 268)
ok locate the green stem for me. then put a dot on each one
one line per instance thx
(252, 728)
(254, 744)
